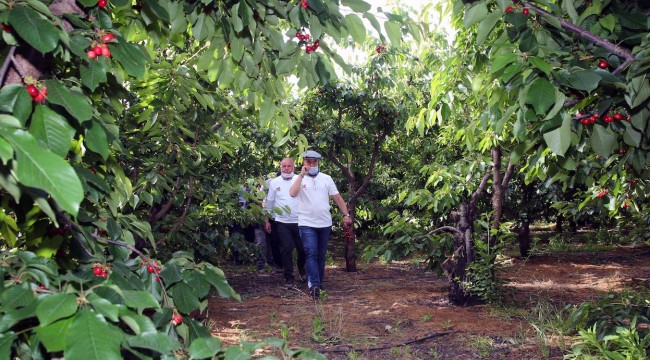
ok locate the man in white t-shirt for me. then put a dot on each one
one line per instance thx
(313, 190)
(286, 220)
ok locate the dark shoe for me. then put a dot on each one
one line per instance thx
(315, 292)
(303, 275)
(289, 283)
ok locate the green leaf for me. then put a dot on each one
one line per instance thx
(14, 99)
(205, 347)
(90, 337)
(93, 74)
(356, 28)
(96, 138)
(608, 22)
(486, 26)
(16, 297)
(184, 297)
(359, 6)
(6, 339)
(541, 64)
(38, 167)
(475, 14)
(558, 140)
(104, 307)
(603, 141)
(584, 80)
(632, 137)
(55, 307)
(34, 29)
(393, 30)
(75, 102)
(51, 130)
(158, 342)
(541, 95)
(54, 336)
(130, 57)
(140, 300)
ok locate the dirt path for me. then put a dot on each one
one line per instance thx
(382, 307)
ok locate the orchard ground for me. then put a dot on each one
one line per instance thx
(398, 311)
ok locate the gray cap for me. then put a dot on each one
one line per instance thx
(311, 154)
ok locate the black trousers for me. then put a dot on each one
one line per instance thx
(274, 242)
(289, 239)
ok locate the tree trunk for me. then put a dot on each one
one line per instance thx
(524, 237)
(558, 223)
(456, 266)
(350, 238)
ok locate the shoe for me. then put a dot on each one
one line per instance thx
(288, 283)
(315, 292)
(302, 275)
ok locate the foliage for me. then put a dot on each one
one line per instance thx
(613, 327)
(126, 131)
(483, 271)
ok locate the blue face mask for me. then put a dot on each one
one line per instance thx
(313, 171)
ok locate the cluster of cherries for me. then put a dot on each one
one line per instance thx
(100, 48)
(510, 9)
(37, 94)
(302, 36)
(100, 271)
(304, 4)
(602, 194)
(607, 118)
(379, 49)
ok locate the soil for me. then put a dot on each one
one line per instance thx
(399, 311)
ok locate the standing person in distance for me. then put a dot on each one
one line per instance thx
(286, 222)
(270, 227)
(313, 190)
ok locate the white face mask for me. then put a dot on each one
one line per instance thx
(287, 176)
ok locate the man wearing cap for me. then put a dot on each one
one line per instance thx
(313, 190)
(285, 207)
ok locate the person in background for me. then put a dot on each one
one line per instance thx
(313, 190)
(285, 207)
(272, 238)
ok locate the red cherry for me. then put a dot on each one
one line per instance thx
(97, 270)
(628, 118)
(150, 269)
(618, 116)
(102, 3)
(6, 27)
(41, 286)
(525, 11)
(177, 319)
(104, 274)
(622, 151)
(32, 90)
(603, 64)
(108, 37)
(40, 97)
(98, 50)
(44, 91)
(626, 205)
(628, 196)
(509, 9)
(91, 54)
(106, 52)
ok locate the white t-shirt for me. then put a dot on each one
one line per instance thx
(278, 197)
(314, 200)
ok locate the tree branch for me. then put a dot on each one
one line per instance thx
(613, 48)
(157, 216)
(371, 165)
(508, 175)
(181, 219)
(474, 199)
(449, 229)
(5, 66)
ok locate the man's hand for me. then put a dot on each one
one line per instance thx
(267, 227)
(347, 220)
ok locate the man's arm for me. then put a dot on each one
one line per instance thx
(338, 199)
(295, 187)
